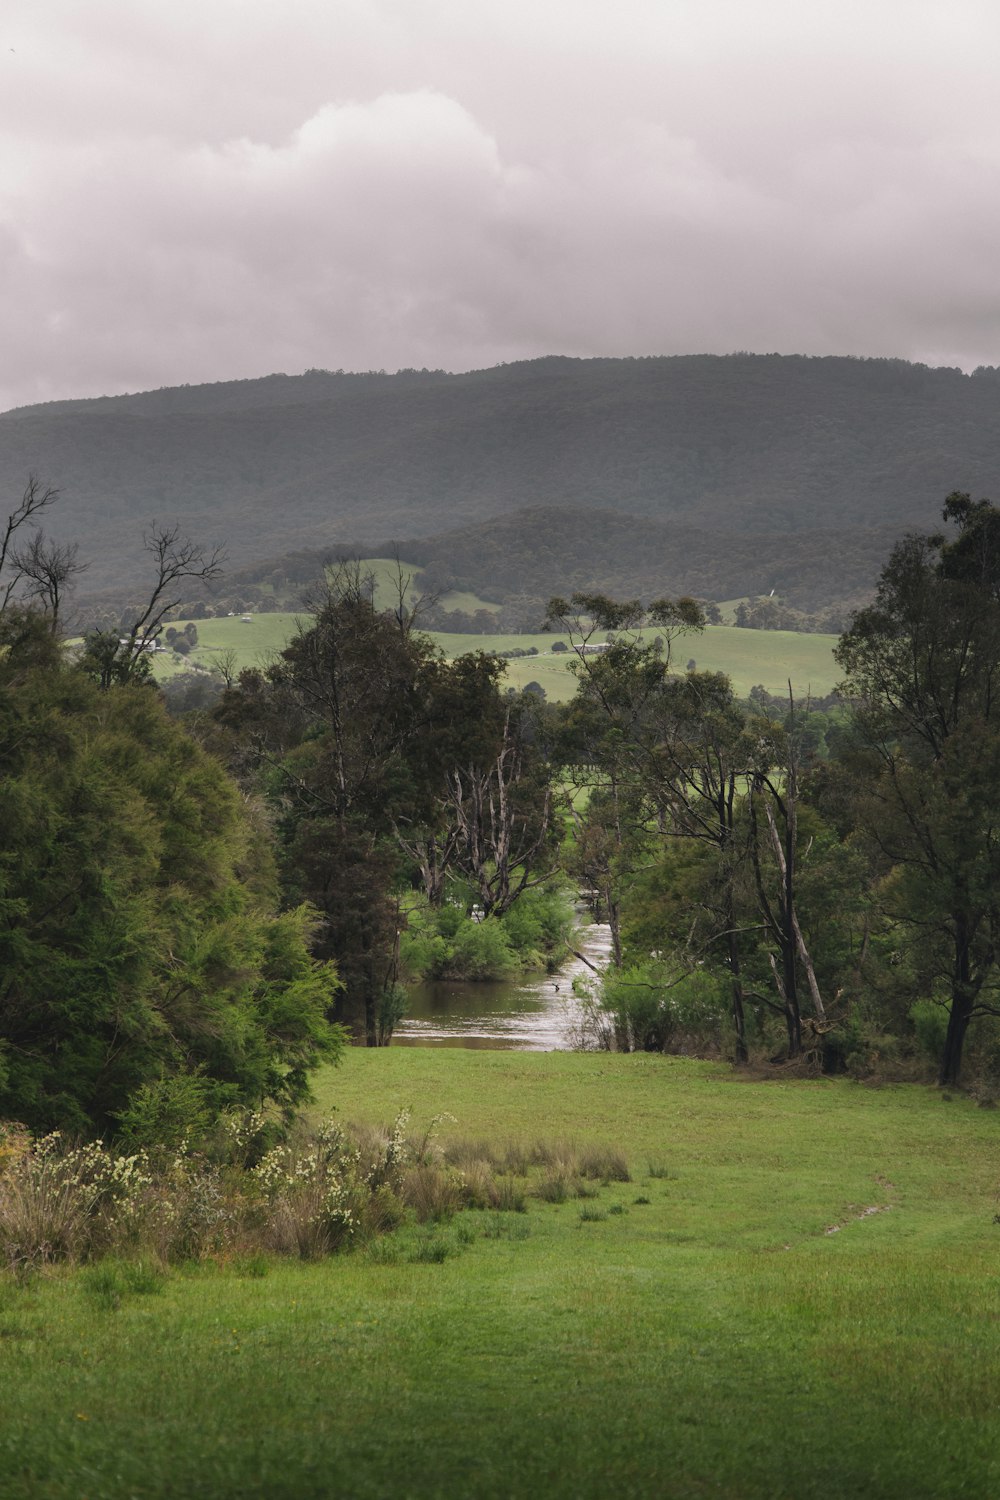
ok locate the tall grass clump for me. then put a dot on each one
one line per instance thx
(243, 1196)
(308, 1195)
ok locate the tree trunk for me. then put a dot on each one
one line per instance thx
(736, 982)
(615, 924)
(963, 997)
(793, 1016)
(786, 867)
(958, 1024)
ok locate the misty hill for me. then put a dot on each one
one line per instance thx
(730, 447)
(547, 550)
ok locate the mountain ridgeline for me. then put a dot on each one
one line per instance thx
(715, 475)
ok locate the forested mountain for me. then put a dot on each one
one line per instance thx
(544, 550)
(737, 447)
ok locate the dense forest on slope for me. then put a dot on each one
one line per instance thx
(547, 549)
(735, 446)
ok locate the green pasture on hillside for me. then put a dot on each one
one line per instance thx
(388, 573)
(768, 657)
(794, 1298)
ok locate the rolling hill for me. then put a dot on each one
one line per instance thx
(723, 450)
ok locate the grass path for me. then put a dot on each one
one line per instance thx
(716, 1339)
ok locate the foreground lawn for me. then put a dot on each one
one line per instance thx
(806, 1305)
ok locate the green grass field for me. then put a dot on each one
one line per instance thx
(796, 1296)
(769, 657)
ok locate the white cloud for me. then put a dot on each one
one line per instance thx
(193, 192)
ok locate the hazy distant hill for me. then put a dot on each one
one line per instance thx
(547, 550)
(734, 447)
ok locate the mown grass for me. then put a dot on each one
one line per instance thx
(697, 1330)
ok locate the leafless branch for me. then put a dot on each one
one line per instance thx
(36, 497)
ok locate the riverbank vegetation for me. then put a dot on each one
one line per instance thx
(445, 942)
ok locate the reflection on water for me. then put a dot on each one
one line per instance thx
(536, 1013)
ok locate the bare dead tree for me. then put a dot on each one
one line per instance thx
(36, 498)
(117, 658)
(47, 570)
(226, 663)
(407, 607)
(502, 821)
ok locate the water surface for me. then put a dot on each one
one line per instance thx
(533, 1013)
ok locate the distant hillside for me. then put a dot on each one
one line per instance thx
(550, 550)
(733, 448)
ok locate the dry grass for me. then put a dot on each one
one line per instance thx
(434, 1193)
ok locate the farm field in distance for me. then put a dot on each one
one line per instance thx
(793, 1298)
(749, 657)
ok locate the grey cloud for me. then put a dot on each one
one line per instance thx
(224, 189)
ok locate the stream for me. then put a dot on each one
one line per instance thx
(533, 1013)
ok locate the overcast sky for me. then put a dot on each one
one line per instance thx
(197, 190)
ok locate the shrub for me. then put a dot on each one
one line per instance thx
(461, 1152)
(510, 1198)
(163, 1116)
(478, 1185)
(930, 1023)
(381, 1213)
(313, 1194)
(482, 950)
(557, 1187)
(559, 1154)
(516, 1159)
(306, 1195)
(447, 944)
(652, 1011)
(61, 1203)
(391, 1010)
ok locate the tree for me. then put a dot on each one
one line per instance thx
(675, 756)
(670, 753)
(112, 658)
(327, 731)
(48, 570)
(501, 810)
(774, 786)
(388, 767)
(32, 567)
(139, 937)
(460, 724)
(923, 671)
